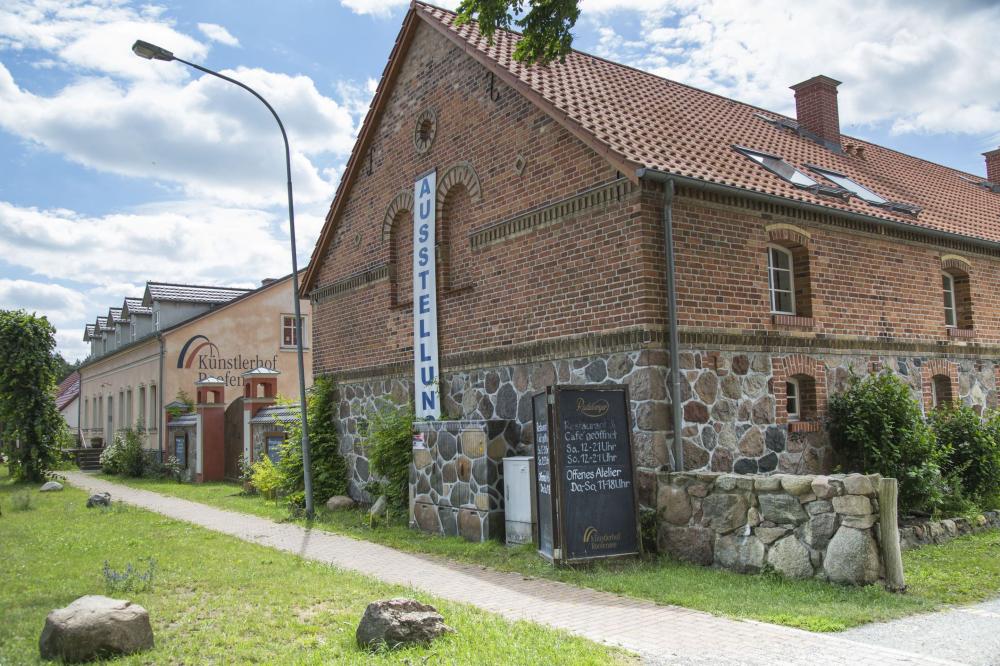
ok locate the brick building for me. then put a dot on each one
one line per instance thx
(801, 255)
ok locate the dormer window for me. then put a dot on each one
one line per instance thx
(851, 186)
(779, 167)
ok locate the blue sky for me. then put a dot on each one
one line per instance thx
(118, 170)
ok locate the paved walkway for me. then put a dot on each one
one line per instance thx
(661, 634)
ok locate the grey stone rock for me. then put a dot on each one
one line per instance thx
(399, 622)
(722, 460)
(724, 512)
(826, 488)
(597, 371)
(695, 457)
(781, 509)
(426, 517)
(709, 438)
(859, 522)
(50, 486)
(102, 499)
(724, 410)
(619, 365)
(731, 388)
(733, 482)
(707, 386)
(447, 445)
(745, 466)
(652, 416)
(852, 505)
(819, 529)
(752, 443)
(761, 363)
(817, 507)
(769, 535)
(339, 503)
(506, 402)
(858, 484)
(695, 412)
(691, 544)
(647, 384)
(790, 558)
(741, 364)
(740, 552)
(763, 411)
(768, 463)
(380, 507)
(754, 386)
(852, 557)
(95, 627)
(774, 439)
(767, 484)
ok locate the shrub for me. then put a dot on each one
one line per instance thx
(266, 478)
(876, 426)
(173, 469)
(130, 579)
(390, 448)
(973, 451)
(329, 469)
(22, 501)
(126, 456)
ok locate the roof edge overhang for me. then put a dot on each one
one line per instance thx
(620, 162)
(697, 183)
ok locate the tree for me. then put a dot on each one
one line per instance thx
(63, 367)
(31, 425)
(545, 28)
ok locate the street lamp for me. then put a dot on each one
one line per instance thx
(153, 52)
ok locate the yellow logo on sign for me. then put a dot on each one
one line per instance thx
(592, 409)
(588, 534)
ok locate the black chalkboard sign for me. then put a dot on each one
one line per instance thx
(543, 477)
(584, 461)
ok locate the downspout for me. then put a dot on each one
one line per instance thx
(675, 371)
(160, 435)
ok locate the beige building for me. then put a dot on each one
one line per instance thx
(150, 351)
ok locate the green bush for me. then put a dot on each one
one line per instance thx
(876, 426)
(266, 478)
(973, 451)
(329, 469)
(390, 448)
(125, 456)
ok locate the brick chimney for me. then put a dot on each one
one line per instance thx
(816, 108)
(993, 166)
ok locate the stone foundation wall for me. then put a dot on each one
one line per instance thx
(734, 408)
(822, 527)
(942, 531)
(456, 480)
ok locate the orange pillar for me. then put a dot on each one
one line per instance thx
(211, 409)
(260, 389)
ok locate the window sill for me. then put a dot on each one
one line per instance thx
(292, 348)
(804, 426)
(967, 333)
(792, 321)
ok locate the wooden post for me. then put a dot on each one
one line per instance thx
(888, 519)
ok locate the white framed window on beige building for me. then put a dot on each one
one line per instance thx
(288, 339)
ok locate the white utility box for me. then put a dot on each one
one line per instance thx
(519, 498)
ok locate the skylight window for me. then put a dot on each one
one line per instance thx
(854, 188)
(780, 167)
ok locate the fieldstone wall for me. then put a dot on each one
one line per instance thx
(915, 535)
(822, 527)
(504, 393)
(456, 479)
(732, 402)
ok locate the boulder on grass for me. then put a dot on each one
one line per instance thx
(95, 627)
(339, 503)
(398, 622)
(103, 499)
(380, 507)
(50, 487)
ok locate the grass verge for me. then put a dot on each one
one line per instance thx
(216, 599)
(963, 571)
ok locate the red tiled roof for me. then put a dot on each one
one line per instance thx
(68, 390)
(650, 122)
(641, 121)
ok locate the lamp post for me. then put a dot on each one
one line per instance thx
(153, 52)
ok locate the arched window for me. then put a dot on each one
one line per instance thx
(800, 398)
(792, 399)
(948, 286)
(781, 280)
(941, 391)
(957, 299)
(401, 258)
(457, 219)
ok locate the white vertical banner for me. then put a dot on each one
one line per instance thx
(426, 373)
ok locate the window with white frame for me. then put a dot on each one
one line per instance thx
(781, 280)
(948, 286)
(154, 413)
(288, 337)
(792, 405)
(156, 320)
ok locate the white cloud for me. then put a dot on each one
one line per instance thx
(918, 66)
(381, 8)
(217, 33)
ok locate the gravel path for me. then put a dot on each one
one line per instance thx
(660, 634)
(969, 634)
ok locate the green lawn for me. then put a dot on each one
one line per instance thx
(962, 571)
(216, 599)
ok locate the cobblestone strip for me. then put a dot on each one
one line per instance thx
(662, 634)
